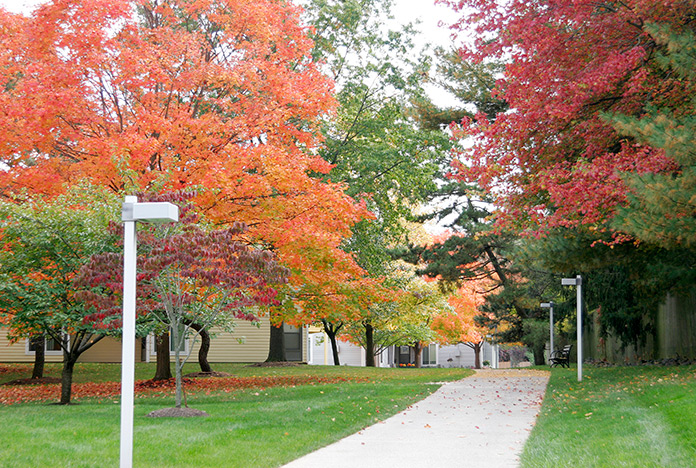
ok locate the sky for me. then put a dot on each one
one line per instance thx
(18, 6)
(430, 16)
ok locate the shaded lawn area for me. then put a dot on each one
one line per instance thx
(642, 416)
(247, 427)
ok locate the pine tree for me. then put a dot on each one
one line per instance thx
(662, 205)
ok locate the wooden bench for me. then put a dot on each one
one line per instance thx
(561, 357)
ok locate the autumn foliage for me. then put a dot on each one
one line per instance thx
(218, 96)
(555, 158)
(15, 394)
(185, 93)
(458, 325)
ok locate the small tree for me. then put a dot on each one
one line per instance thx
(190, 279)
(44, 244)
(402, 321)
(458, 325)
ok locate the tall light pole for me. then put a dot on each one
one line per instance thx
(131, 213)
(577, 282)
(549, 305)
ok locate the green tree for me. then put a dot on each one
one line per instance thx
(376, 147)
(626, 282)
(471, 85)
(44, 244)
(404, 321)
(472, 250)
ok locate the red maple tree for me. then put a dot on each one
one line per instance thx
(189, 279)
(555, 159)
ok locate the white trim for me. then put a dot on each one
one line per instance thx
(51, 352)
(149, 342)
(152, 346)
(432, 355)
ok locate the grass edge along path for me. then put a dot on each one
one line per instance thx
(635, 416)
(247, 427)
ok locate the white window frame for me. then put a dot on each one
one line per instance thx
(432, 355)
(47, 352)
(152, 340)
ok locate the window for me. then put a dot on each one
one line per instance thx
(51, 346)
(404, 356)
(429, 355)
(153, 345)
(293, 342)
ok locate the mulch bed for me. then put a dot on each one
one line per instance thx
(197, 375)
(30, 381)
(107, 391)
(177, 413)
(278, 364)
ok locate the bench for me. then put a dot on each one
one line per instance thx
(561, 357)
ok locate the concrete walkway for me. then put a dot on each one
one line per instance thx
(480, 421)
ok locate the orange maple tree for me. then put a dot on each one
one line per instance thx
(458, 325)
(220, 96)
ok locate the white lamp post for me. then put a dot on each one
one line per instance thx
(549, 305)
(577, 281)
(133, 212)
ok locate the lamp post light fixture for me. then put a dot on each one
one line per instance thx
(577, 282)
(549, 305)
(131, 213)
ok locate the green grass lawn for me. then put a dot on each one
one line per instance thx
(247, 428)
(616, 417)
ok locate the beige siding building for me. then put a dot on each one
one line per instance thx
(248, 343)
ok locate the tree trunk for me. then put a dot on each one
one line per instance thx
(477, 347)
(369, 345)
(276, 345)
(163, 370)
(477, 355)
(419, 353)
(178, 365)
(538, 350)
(331, 331)
(79, 343)
(204, 349)
(203, 352)
(66, 378)
(39, 343)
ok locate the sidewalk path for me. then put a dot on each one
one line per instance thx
(480, 421)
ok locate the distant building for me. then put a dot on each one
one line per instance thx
(435, 355)
(247, 343)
